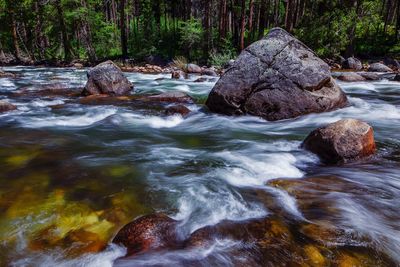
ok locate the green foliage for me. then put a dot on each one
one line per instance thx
(191, 36)
(220, 59)
(331, 37)
(227, 52)
(167, 29)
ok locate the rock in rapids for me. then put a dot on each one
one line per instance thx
(276, 78)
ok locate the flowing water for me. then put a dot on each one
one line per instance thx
(72, 175)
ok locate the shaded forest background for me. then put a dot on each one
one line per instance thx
(205, 31)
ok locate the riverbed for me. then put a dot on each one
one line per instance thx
(74, 174)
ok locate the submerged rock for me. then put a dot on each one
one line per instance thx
(370, 76)
(178, 109)
(49, 90)
(342, 141)
(103, 99)
(149, 232)
(107, 78)
(352, 63)
(379, 67)
(276, 78)
(4, 74)
(5, 106)
(200, 80)
(179, 75)
(173, 97)
(351, 77)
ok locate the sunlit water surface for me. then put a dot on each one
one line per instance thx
(72, 175)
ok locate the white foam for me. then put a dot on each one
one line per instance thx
(257, 170)
(372, 224)
(45, 103)
(7, 84)
(182, 87)
(201, 206)
(218, 251)
(348, 87)
(88, 118)
(56, 258)
(150, 121)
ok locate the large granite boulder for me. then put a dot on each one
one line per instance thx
(276, 78)
(342, 141)
(107, 78)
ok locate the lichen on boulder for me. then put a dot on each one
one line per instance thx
(276, 78)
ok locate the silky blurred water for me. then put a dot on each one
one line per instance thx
(73, 174)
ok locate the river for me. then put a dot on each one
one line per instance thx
(73, 174)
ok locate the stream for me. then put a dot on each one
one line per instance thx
(73, 174)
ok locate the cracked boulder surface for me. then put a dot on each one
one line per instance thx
(107, 78)
(276, 78)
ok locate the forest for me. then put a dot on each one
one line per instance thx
(204, 31)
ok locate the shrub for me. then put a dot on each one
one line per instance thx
(180, 63)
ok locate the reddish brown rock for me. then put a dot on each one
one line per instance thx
(178, 109)
(78, 65)
(351, 77)
(50, 90)
(5, 106)
(106, 100)
(155, 231)
(171, 97)
(179, 75)
(4, 74)
(342, 141)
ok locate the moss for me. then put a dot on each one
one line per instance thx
(346, 260)
(119, 171)
(314, 256)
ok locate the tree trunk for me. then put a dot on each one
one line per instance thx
(2, 56)
(242, 24)
(276, 12)
(207, 28)
(251, 17)
(124, 46)
(61, 21)
(350, 48)
(222, 19)
(398, 20)
(14, 33)
(87, 35)
(261, 24)
(289, 16)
